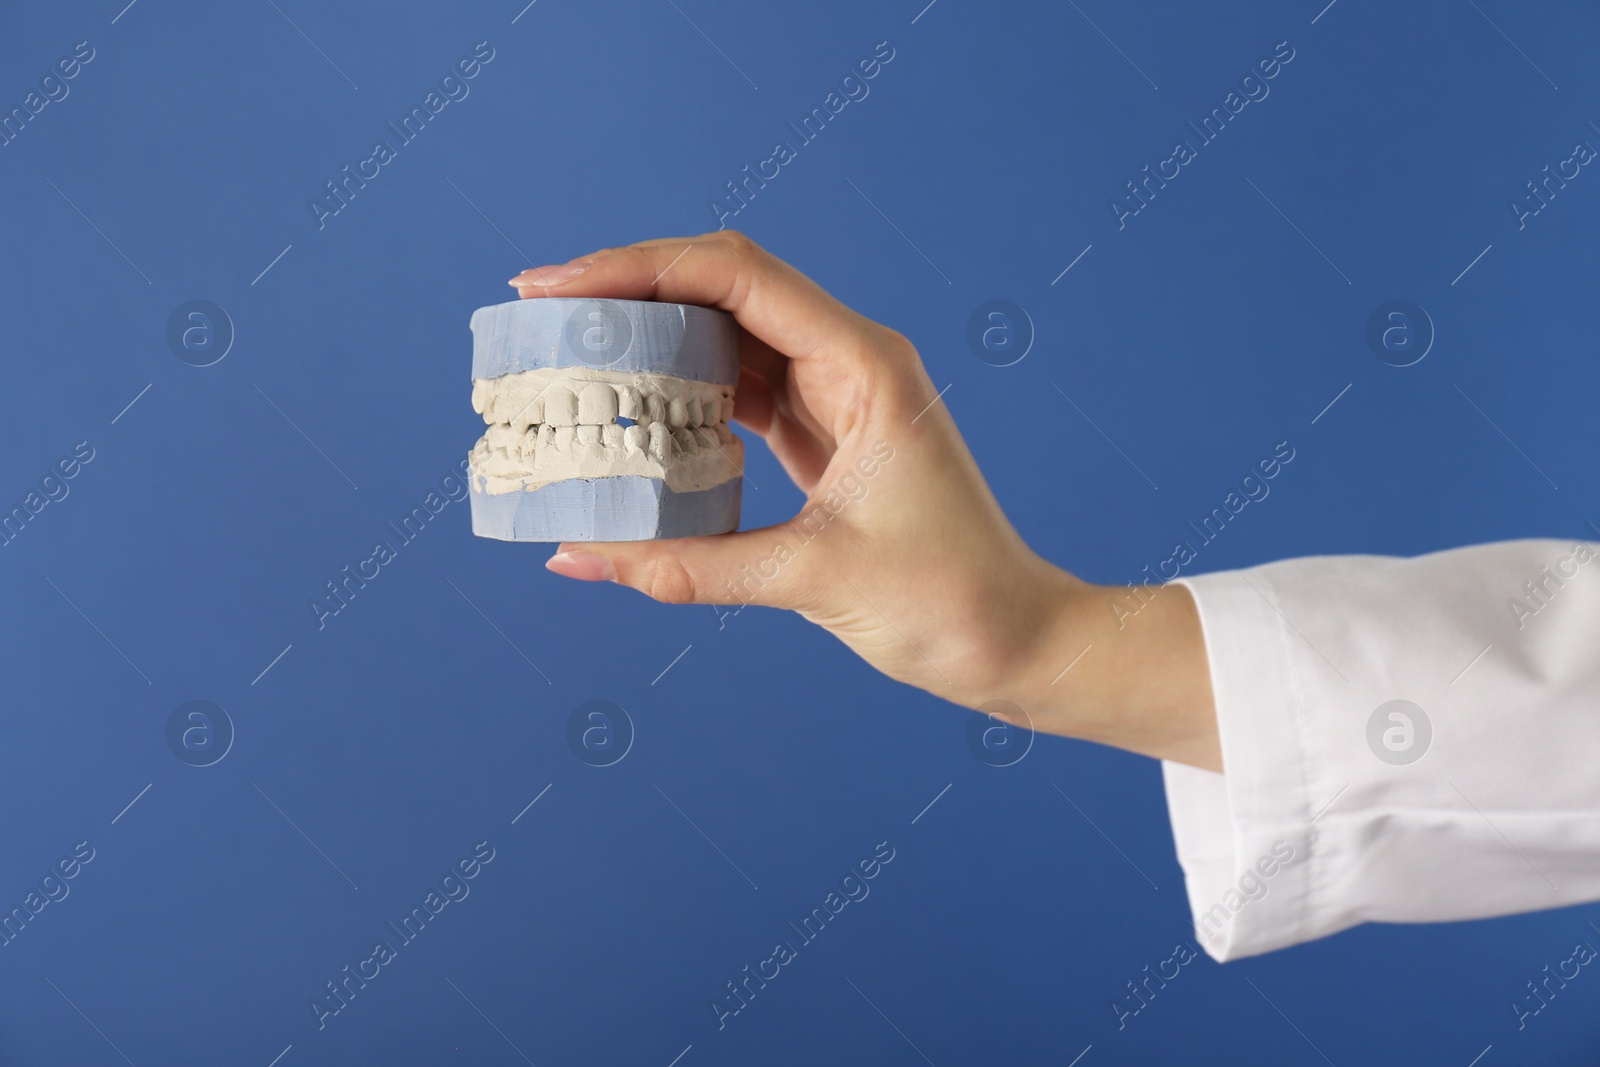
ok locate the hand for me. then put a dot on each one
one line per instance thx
(901, 550)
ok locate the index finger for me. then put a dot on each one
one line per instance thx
(724, 269)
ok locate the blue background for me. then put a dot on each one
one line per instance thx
(378, 750)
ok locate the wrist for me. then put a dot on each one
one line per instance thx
(1044, 677)
(1118, 666)
(1049, 614)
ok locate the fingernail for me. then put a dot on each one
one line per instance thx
(546, 277)
(584, 566)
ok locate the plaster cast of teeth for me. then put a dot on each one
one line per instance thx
(553, 376)
(516, 454)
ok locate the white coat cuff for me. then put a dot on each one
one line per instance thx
(1245, 838)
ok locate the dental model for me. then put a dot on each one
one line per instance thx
(608, 421)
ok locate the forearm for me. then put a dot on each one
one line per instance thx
(1122, 668)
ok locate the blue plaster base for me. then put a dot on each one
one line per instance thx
(628, 336)
(629, 508)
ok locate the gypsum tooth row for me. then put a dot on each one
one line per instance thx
(655, 438)
(599, 404)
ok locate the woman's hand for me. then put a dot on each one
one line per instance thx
(900, 551)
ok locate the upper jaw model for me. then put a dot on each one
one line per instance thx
(608, 421)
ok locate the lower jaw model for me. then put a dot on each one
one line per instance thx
(580, 452)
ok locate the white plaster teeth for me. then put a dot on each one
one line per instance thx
(568, 398)
(524, 412)
(499, 435)
(660, 442)
(655, 408)
(560, 406)
(543, 449)
(597, 405)
(628, 402)
(529, 414)
(588, 442)
(553, 424)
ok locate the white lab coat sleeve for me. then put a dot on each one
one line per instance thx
(1330, 812)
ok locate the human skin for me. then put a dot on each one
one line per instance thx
(922, 576)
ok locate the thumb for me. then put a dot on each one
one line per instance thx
(762, 567)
